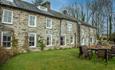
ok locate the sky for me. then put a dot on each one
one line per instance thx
(57, 4)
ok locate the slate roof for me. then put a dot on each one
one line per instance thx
(30, 7)
(86, 24)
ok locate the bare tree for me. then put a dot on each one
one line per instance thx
(101, 9)
(75, 10)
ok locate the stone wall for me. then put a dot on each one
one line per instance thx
(87, 35)
(68, 34)
(20, 27)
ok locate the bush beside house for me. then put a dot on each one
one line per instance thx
(41, 44)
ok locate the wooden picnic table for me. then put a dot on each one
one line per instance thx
(106, 49)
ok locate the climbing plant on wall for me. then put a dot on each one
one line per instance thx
(40, 43)
(26, 42)
(14, 44)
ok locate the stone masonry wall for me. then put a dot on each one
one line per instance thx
(87, 35)
(20, 27)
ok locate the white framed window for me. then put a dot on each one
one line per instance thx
(49, 40)
(62, 29)
(7, 16)
(6, 39)
(63, 40)
(69, 26)
(71, 39)
(83, 41)
(82, 32)
(32, 40)
(49, 23)
(32, 21)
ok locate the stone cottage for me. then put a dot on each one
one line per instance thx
(87, 34)
(29, 24)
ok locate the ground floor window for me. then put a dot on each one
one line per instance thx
(32, 39)
(93, 40)
(71, 39)
(6, 38)
(49, 39)
(62, 40)
(83, 41)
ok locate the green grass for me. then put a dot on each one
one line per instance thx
(56, 60)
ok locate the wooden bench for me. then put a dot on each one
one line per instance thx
(84, 52)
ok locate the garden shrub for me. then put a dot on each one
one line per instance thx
(26, 42)
(41, 44)
(14, 49)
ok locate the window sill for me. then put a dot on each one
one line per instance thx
(32, 26)
(10, 23)
(49, 45)
(49, 27)
(7, 47)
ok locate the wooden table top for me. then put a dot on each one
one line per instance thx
(95, 47)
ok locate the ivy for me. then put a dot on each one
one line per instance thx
(41, 44)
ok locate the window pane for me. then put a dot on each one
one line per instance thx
(6, 39)
(30, 44)
(7, 16)
(31, 39)
(69, 26)
(9, 19)
(62, 40)
(32, 20)
(49, 40)
(4, 44)
(8, 44)
(49, 22)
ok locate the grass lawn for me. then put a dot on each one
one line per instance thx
(55, 60)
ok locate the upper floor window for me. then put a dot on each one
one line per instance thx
(49, 23)
(7, 16)
(69, 26)
(82, 32)
(32, 21)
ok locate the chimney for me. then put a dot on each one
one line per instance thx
(65, 12)
(47, 5)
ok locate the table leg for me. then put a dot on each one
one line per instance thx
(106, 55)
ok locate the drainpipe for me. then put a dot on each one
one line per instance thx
(78, 33)
(75, 39)
(60, 31)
